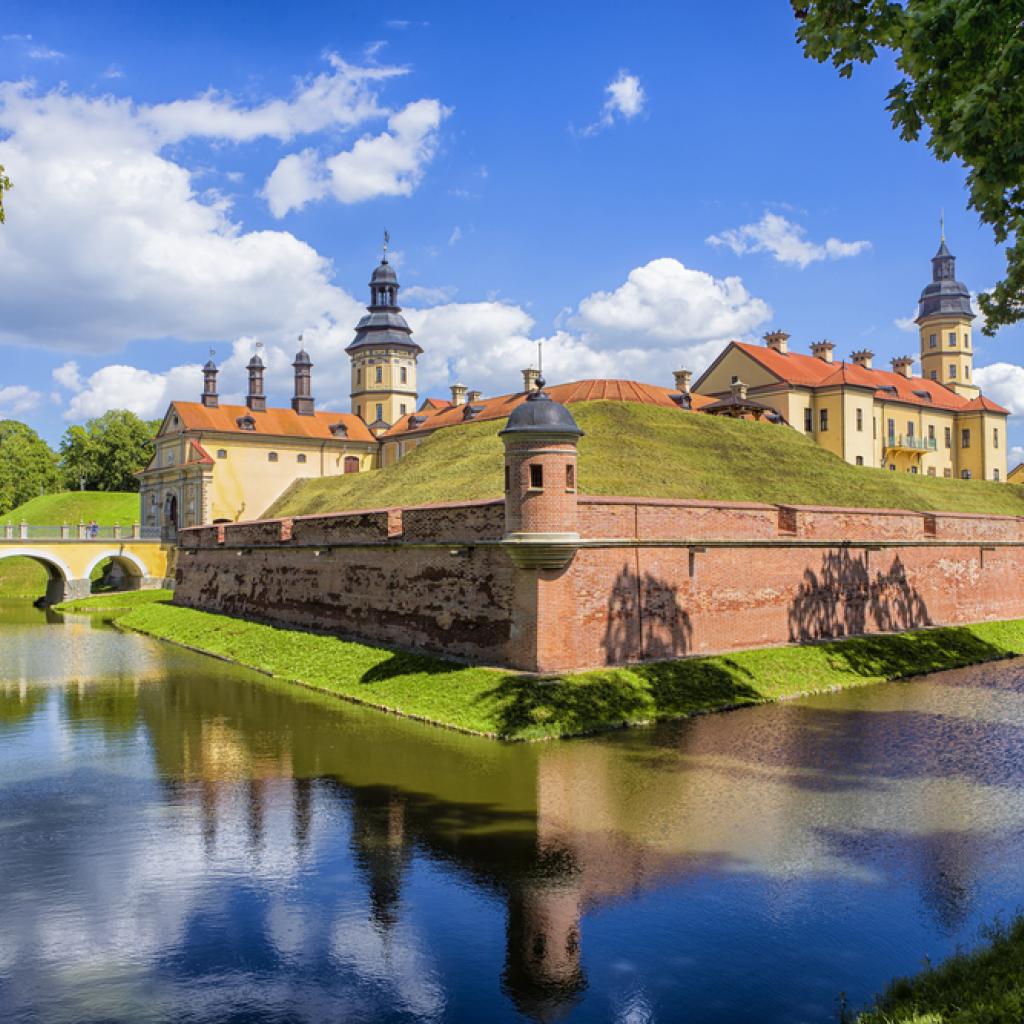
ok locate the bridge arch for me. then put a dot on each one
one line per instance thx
(130, 563)
(56, 567)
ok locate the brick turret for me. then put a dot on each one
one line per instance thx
(540, 482)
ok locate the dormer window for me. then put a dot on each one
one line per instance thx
(470, 412)
(246, 423)
(339, 429)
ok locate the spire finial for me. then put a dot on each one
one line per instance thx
(540, 365)
(213, 352)
(384, 250)
(942, 224)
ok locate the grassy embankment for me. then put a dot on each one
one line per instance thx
(982, 987)
(21, 577)
(115, 601)
(631, 449)
(513, 706)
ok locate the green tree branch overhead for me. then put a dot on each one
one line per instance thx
(962, 63)
(107, 452)
(5, 186)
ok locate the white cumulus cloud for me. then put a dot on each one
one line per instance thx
(1003, 383)
(625, 99)
(17, 399)
(785, 241)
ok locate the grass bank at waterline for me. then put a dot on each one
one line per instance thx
(983, 987)
(118, 602)
(512, 706)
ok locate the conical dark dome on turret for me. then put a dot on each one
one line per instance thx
(945, 294)
(383, 323)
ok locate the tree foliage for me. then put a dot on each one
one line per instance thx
(107, 452)
(5, 186)
(962, 66)
(28, 466)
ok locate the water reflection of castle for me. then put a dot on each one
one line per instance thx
(555, 830)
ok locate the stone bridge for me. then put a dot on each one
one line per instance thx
(70, 555)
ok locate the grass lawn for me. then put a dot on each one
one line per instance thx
(642, 450)
(21, 577)
(509, 705)
(983, 987)
(114, 601)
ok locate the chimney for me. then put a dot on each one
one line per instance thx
(302, 400)
(739, 390)
(209, 396)
(683, 378)
(822, 350)
(459, 394)
(530, 376)
(862, 357)
(903, 365)
(777, 341)
(256, 400)
(474, 396)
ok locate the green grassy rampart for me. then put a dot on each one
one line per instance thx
(982, 987)
(119, 601)
(633, 450)
(513, 706)
(21, 577)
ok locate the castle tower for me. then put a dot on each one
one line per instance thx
(540, 482)
(209, 396)
(944, 319)
(383, 354)
(302, 400)
(256, 400)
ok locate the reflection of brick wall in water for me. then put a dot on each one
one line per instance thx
(438, 579)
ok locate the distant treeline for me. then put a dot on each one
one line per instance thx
(103, 455)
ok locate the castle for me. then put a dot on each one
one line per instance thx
(217, 463)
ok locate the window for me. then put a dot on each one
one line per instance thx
(359, 410)
(910, 428)
(302, 459)
(380, 411)
(931, 433)
(892, 429)
(913, 469)
(222, 453)
(246, 423)
(995, 437)
(967, 341)
(403, 375)
(271, 456)
(506, 478)
(536, 475)
(931, 471)
(934, 375)
(735, 379)
(892, 468)
(995, 474)
(351, 464)
(379, 374)
(952, 371)
(874, 427)
(570, 477)
(823, 420)
(967, 371)
(859, 460)
(949, 437)
(169, 457)
(932, 341)
(965, 439)
(947, 473)
(359, 376)
(808, 420)
(401, 409)
(952, 339)
(860, 419)
(965, 474)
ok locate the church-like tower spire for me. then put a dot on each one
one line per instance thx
(383, 354)
(944, 318)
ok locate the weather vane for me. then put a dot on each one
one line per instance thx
(387, 239)
(942, 223)
(540, 365)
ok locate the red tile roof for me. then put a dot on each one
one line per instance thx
(575, 391)
(197, 453)
(810, 371)
(272, 423)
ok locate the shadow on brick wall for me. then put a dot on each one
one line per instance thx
(646, 620)
(843, 599)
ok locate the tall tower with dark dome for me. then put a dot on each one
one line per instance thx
(944, 318)
(383, 354)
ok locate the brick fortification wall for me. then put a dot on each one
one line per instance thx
(650, 579)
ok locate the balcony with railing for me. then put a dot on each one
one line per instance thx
(909, 443)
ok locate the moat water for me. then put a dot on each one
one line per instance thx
(184, 841)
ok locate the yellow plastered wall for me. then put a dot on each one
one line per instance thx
(831, 439)
(985, 455)
(857, 434)
(395, 396)
(736, 363)
(951, 358)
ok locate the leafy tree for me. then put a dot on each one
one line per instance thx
(5, 186)
(962, 63)
(28, 466)
(107, 452)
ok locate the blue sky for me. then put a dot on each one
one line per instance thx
(190, 175)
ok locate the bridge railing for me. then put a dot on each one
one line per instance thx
(77, 531)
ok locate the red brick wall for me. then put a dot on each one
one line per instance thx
(657, 579)
(551, 508)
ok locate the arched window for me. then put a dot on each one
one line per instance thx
(351, 464)
(380, 411)
(404, 375)
(379, 375)
(302, 458)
